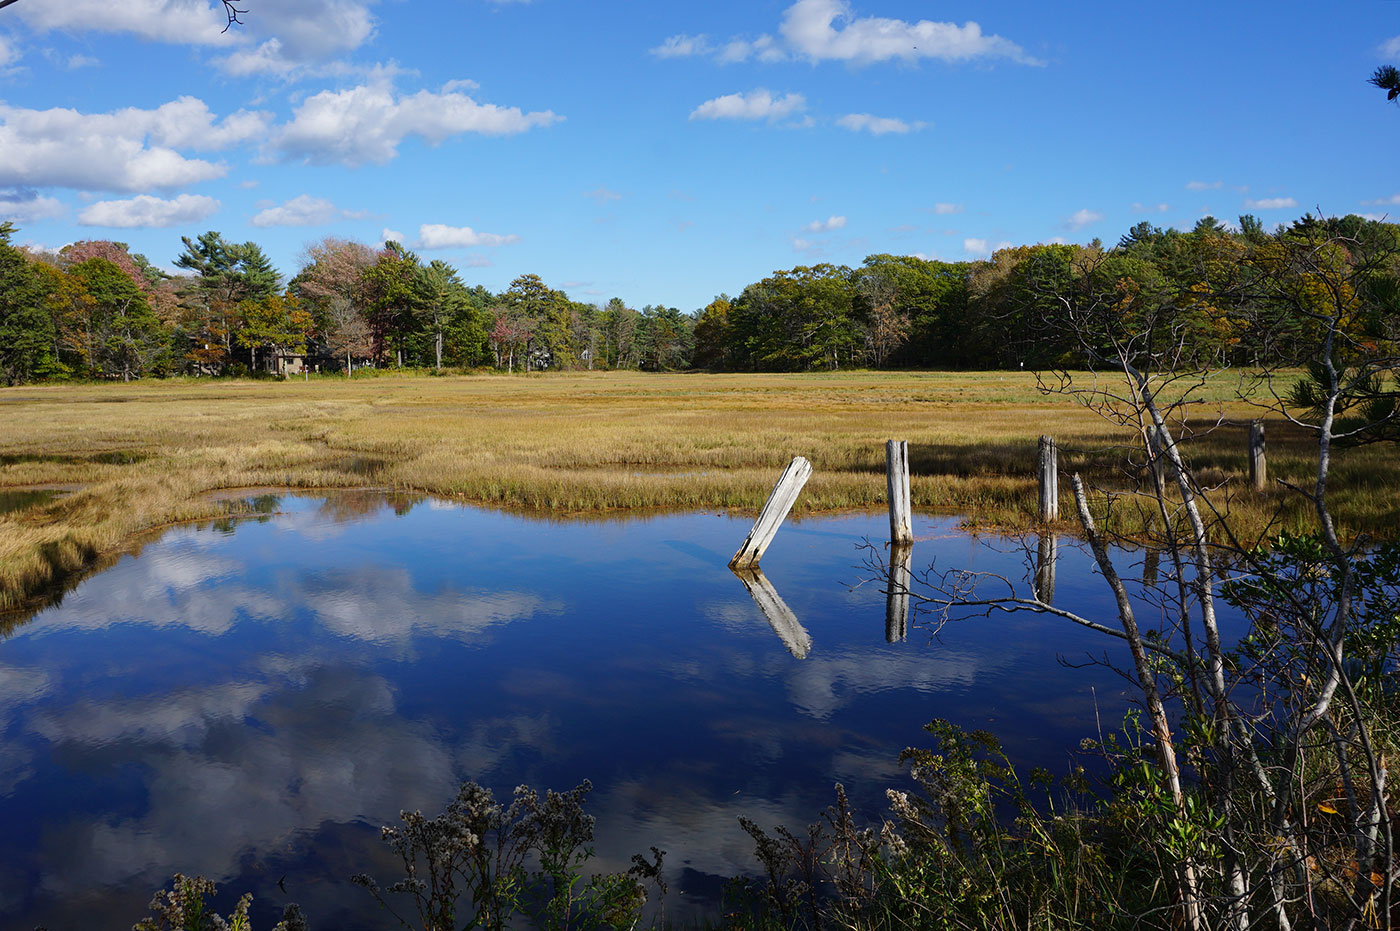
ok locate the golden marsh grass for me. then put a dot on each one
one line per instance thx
(142, 456)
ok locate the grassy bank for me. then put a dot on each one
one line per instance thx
(140, 456)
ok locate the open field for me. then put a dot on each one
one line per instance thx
(137, 457)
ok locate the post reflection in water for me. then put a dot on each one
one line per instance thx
(779, 616)
(897, 594)
(1150, 562)
(1046, 556)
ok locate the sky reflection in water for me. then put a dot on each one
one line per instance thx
(253, 704)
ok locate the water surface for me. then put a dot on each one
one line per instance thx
(251, 701)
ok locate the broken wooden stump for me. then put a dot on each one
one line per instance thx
(897, 485)
(775, 511)
(1048, 473)
(1258, 468)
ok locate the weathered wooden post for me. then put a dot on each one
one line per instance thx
(1047, 552)
(897, 598)
(1258, 470)
(775, 511)
(897, 484)
(1156, 453)
(774, 610)
(1049, 473)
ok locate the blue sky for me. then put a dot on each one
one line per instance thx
(668, 152)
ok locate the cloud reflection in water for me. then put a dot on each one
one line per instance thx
(223, 702)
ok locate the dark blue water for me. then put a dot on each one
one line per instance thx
(251, 703)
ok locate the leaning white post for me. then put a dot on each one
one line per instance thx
(897, 484)
(1049, 469)
(775, 511)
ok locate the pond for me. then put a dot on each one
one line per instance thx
(19, 499)
(250, 701)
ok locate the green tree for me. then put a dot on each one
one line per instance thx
(800, 319)
(392, 299)
(548, 314)
(225, 275)
(27, 332)
(913, 310)
(619, 323)
(666, 337)
(277, 323)
(1387, 78)
(127, 337)
(452, 314)
(713, 339)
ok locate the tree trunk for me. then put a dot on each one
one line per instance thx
(1147, 681)
(438, 347)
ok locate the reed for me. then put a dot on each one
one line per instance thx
(141, 456)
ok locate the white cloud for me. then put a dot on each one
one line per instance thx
(125, 150)
(438, 236)
(1378, 217)
(981, 248)
(763, 48)
(81, 61)
(145, 211)
(8, 53)
(387, 235)
(1204, 185)
(877, 125)
(944, 210)
(25, 205)
(602, 195)
(1082, 218)
(1390, 48)
(367, 123)
(828, 30)
(310, 30)
(683, 46)
(735, 50)
(183, 22)
(1270, 203)
(303, 210)
(825, 226)
(757, 104)
(1382, 202)
(266, 58)
(278, 39)
(1149, 208)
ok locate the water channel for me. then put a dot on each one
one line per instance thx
(250, 701)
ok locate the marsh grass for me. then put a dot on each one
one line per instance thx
(146, 455)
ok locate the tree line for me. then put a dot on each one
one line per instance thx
(96, 310)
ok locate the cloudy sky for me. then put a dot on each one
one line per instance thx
(667, 152)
